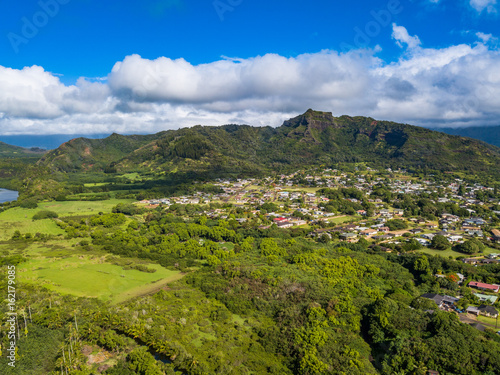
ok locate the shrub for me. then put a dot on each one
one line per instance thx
(45, 214)
(28, 203)
(396, 224)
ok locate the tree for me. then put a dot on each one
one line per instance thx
(440, 242)
(396, 224)
(472, 246)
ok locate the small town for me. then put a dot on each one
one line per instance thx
(375, 210)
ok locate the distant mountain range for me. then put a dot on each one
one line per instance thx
(488, 134)
(313, 138)
(47, 142)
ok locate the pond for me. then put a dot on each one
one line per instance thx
(8, 195)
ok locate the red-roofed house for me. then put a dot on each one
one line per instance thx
(279, 219)
(490, 287)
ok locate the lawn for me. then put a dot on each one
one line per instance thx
(90, 276)
(342, 219)
(449, 252)
(301, 189)
(92, 184)
(490, 321)
(18, 218)
(226, 245)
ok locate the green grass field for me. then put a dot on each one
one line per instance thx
(18, 218)
(92, 184)
(342, 219)
(492, 322)
(302, 189)
(449, 252)
(90, 276)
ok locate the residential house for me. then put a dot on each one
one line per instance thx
(368, 232)
(483, 286)
(472, 310)
(455, 238)
(423, 242)
(489, 261)
(486, 298)
(474, 232)
(349, 237)
(488, 311)
(472, 261)
(496, 235)
(440, 300)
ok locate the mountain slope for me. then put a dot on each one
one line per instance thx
(94, 154)
(309, 139)
(10, 151)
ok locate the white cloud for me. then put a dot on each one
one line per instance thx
(480, 5)
(487, 38)
(401, 35)
(454, 86)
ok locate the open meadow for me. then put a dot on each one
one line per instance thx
(61, 265)
(19, 218)
(88, 276)
(454, 254)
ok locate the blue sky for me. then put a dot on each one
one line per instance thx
(73, 66)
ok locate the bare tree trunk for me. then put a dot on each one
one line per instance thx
(25, 324)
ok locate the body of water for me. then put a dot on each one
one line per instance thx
(8, 195)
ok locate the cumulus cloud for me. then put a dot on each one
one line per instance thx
(480, 5)
(454, 86)
(402, 37)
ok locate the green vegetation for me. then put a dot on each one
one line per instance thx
(45, 214)
(85, 276)
(310, 139)
(193, 284)
(440, 242)
(471, 246)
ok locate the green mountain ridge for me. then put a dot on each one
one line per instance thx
(312, 138)
(7, 150)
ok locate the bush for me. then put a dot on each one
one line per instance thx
(45, 214)
(127, 209)
(396, 224)
(28, 203)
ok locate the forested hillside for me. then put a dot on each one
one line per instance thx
(309, 139)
